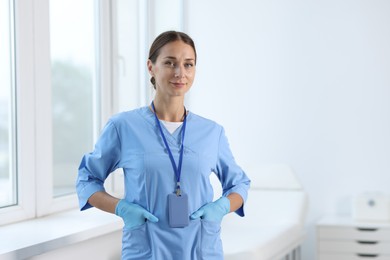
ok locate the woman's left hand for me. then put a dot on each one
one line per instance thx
(213, 211)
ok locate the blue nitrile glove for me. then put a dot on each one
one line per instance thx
(213, 211)
(132, 214)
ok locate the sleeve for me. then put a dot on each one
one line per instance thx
(232, 177)
(97, 165)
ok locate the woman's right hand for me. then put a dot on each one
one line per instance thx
(133, 215)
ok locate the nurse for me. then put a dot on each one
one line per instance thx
(167, 154)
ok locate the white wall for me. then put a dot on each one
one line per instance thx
(301, 82)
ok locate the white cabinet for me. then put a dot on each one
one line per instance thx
(344, 239)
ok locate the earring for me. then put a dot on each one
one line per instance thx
(153, 81)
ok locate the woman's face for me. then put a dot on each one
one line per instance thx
(174, 69)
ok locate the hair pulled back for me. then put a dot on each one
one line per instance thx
(162, 40)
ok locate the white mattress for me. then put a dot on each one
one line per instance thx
(265, 243)
(274, 219)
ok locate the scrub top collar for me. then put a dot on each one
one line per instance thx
(172, 139)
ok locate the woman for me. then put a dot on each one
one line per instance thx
(167, 154)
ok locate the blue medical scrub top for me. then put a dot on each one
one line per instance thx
(132, 141)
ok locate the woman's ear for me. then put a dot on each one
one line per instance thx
(150, 67)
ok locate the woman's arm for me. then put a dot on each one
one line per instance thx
(236, 201)
(104, 201)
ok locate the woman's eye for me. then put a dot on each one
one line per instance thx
(170, 64)
(189, 65)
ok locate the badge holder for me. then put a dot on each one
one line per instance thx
(178, 209)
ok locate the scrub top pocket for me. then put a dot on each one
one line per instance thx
(136, 243)
(211, 244)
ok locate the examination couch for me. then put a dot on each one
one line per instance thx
(273, 226)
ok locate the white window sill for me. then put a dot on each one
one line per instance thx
(34, 237)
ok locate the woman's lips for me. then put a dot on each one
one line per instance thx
(178, 84)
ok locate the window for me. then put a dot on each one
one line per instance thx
(8, 177)
(51, 102)
(74, 88)
(74, 63)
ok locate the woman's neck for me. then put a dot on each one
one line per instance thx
(171, 109)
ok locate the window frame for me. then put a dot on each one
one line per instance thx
(46, 203)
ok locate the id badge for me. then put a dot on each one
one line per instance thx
(178, 210)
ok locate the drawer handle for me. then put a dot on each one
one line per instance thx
(367, 229)
(367, 255)
(367, 242)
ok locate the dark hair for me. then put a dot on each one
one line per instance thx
(165, 38)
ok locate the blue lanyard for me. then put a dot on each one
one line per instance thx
(177, 170)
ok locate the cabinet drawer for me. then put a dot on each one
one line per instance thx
(354, 233)
(329, 256)
(354, 247)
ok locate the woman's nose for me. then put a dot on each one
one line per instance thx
(179, 72)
